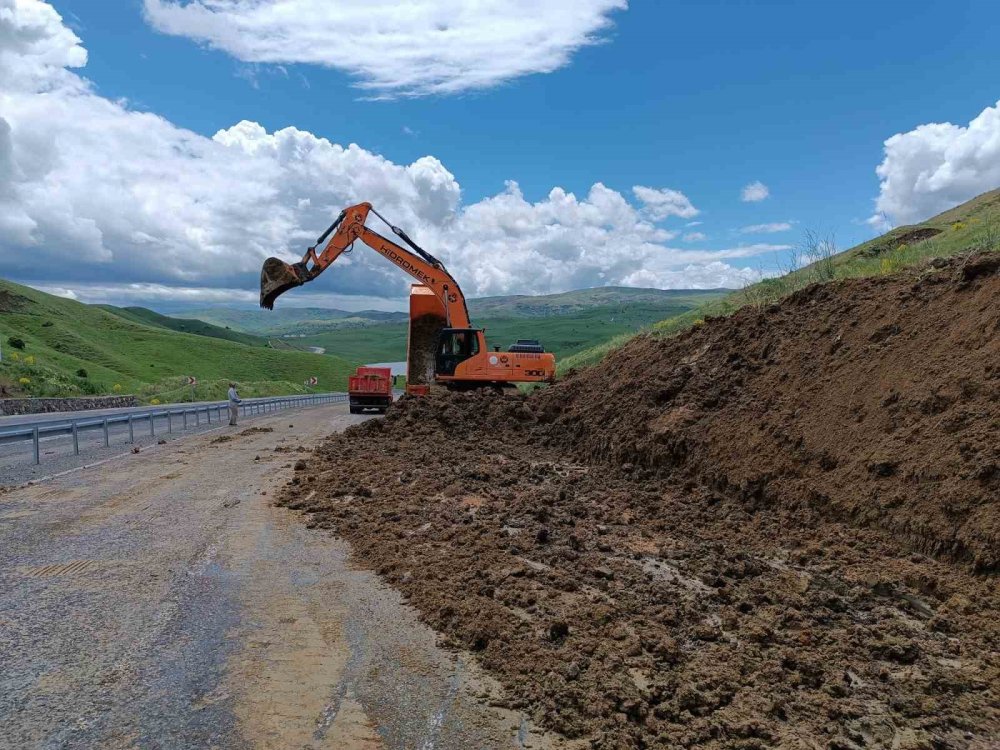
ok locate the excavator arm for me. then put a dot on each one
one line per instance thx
(278, 277)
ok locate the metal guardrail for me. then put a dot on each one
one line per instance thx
(80, 425)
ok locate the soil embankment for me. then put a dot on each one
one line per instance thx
(776, 530)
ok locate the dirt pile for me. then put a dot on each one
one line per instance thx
(876, 400)
(682, 548)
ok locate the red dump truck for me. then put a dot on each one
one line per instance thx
(370, 388)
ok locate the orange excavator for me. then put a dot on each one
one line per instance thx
(443, 346)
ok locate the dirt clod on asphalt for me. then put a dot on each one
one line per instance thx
(256, 430)
(779, 529)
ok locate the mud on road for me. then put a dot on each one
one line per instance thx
(159, 601)
(776, 530)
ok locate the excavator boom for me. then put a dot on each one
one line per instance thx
(456, 351)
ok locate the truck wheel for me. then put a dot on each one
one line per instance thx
(356, 410)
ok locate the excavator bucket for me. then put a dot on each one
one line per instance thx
(277, 277)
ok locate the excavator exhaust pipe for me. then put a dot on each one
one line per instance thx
(277, 277)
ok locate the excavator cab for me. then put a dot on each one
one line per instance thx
(455, 345)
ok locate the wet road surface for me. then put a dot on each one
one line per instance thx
(159, 601)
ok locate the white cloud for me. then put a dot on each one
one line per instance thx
(715, 275)
(937, 166)
(661, 203)
(694, 223)
(772, 228)
(754, 192)
(415, 48)
(59, 291)
(93, 193)
(695, 237)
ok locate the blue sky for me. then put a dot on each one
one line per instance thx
(698, 97)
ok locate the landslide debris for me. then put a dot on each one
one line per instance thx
(872, 400)
(776, 530)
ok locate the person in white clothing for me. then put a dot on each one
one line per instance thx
(234, 404)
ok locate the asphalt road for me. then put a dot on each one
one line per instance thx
(57, 454)
(159, 601)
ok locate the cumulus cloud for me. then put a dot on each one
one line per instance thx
(935, 166)
(661, 203)
(754, 192)
(772, 228)
(695, 237)
(95, 195)
(415, 48)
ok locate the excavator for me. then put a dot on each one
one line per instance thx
(443, 346)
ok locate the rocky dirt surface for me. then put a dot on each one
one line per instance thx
(777, 530)
(159, 601)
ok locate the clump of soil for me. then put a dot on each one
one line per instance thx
(715, 540)
(222, 439)
(11, 302)
(256, 430)
(420, 348)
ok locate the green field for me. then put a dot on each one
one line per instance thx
(972, 227)
(74, 349)
(563, 334)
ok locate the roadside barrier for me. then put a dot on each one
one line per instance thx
(176, 416)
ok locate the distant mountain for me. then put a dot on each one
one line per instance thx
(300, 322)
(294, 321)
(184, 325)
(566, 303)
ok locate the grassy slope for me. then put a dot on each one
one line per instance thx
(972, 226)
(184, 325)
(63, 336)
(561, 334)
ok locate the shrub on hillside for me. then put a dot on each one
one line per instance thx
(15, 343)
(81, 373)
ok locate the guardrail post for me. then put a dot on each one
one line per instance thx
(152, 427)
(170, 421)
(185, 415)
(76, 440)
(208, 414)
(107, 437)
(197, 419)
(131, 430)
(34, 437)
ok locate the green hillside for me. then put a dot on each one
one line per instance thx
(184, 325)
(563, 334)
(973, 226)
(69, 348)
